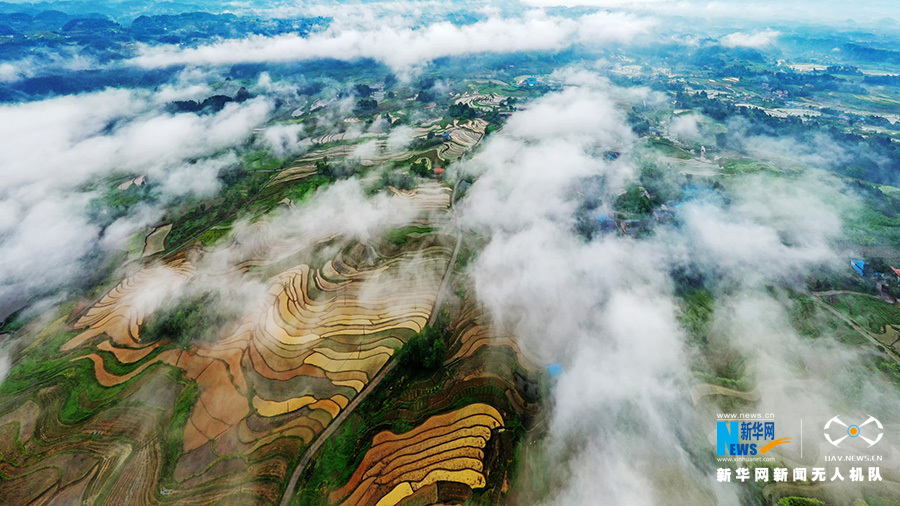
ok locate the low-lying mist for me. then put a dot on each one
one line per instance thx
(622, 424)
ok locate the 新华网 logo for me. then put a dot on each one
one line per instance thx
(746, 438)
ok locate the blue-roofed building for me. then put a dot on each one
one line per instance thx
(605, 223)
(554, 369)
(859, 266)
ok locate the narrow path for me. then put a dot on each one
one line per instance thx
(883, 297)
(444, 282)
(291, 488)
(846, 292)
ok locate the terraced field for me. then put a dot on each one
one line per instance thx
(428, 198)
(445, 448)
(438, 439)
(116, 413)
(121, 312)
(462, 138)
(471, 333)
(295, 173)
(377, 144)
(482, 101)
(247, 402)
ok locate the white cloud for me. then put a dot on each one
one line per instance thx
(622, 425)
(286, 140)
(686, 127)
(755, 40)
(404, 47)
(57, 148)
(806, 11)
(399, 138)
(12, 72)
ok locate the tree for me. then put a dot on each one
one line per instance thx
(799, 501)
(638, 123)
(399, 180)
(721, 140)
(322, 166)
(363, 90)
(635, 201)
(198, 318)
(462, 111)
(419, 168)
(424, 351)
(365, 105)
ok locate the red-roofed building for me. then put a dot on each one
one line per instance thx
(438, 172)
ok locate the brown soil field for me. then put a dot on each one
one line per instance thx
(156, 240)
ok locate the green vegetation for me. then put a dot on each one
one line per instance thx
(745, 166)
(399, 236)
(38, 366)
(870, 313)
(114, 203)
(82, 396)
(174, 439)
(17, 320)
(366, 105)
(410, 388)
(240, 187)
(462, 111)
(697, 315)
(197, 318)
(636, 200)
(295, 191)
(421, 168)
(741, 384)
(423, 352)
(668, 148)
(890, 368)
(246, 190)
(428, 142)
(262, 160)
(363, 90)
(214, 235)
(811, 321)
(876, 220)
(800, 501)
(339, 457)
(399, 180)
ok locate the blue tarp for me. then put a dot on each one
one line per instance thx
(859, 266)
(554, 369)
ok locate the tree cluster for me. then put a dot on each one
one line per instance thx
(423, 352)
(420, 168)
(366, 105)
(462, 111)
(197, 318)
